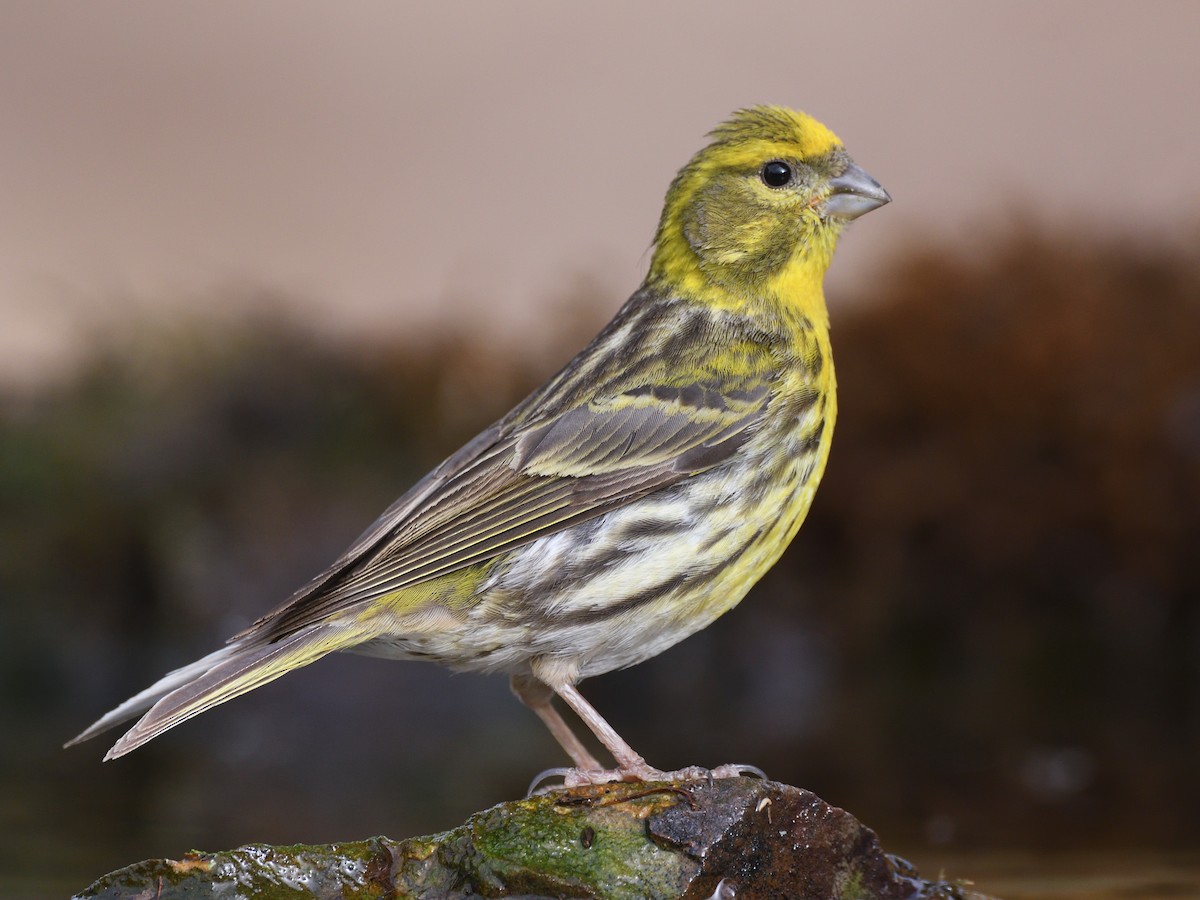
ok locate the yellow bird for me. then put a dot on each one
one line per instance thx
(626, 503)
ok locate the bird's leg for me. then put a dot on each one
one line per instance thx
(630, 765)
(537, 696)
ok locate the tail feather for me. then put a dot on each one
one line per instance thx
(220, 676)
(139, 703)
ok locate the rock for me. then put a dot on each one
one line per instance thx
(709, 840)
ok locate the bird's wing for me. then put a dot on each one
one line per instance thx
(511, 486)
(391, 517)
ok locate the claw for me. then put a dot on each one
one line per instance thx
(562, 772)
(737, 770)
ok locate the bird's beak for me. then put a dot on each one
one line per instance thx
(853, 193)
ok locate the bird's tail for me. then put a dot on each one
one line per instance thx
(220, 676)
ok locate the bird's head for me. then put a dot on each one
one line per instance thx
(764, 201)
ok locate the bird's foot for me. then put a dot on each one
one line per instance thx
(637, 771)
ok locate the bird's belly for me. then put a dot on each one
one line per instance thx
(617, 590)
(622, 588)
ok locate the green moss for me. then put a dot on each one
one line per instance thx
(579, 850)
(852, 887)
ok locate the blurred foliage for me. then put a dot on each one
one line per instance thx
(988, 632)
(1006, 544)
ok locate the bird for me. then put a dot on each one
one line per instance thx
(629, 501)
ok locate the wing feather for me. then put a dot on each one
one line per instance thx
(540, 470)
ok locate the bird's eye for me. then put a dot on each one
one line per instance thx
(776, 173)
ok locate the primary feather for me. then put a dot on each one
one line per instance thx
(634, 497)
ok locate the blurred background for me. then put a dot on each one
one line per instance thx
(261, 265)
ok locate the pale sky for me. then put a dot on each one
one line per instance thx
(393, 164)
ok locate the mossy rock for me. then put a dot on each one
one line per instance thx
(722, 839)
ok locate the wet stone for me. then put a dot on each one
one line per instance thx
(709, 840)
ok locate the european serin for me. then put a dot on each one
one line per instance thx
(629, 501)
